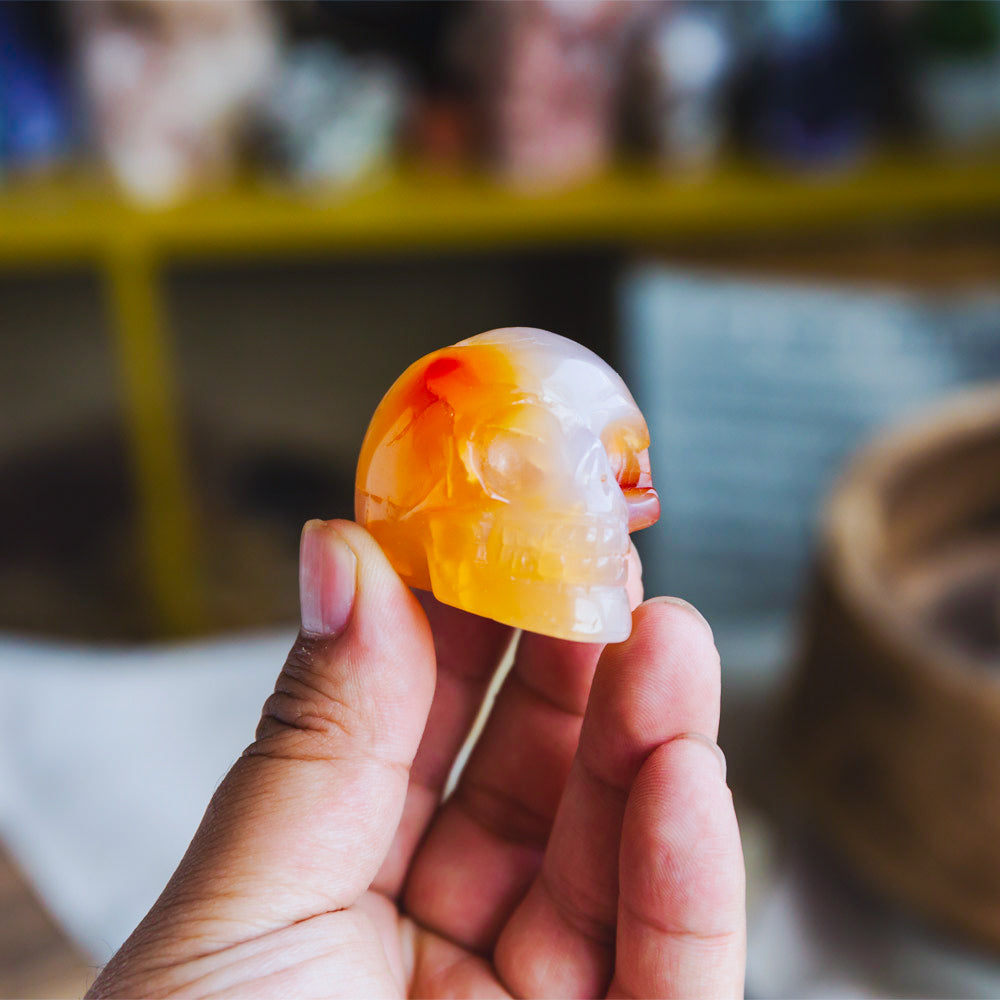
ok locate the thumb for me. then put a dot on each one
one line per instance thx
(303, 821)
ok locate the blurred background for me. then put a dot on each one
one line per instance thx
(225, 227)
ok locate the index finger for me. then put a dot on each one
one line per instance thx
(493, 830)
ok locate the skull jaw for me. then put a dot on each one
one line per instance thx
(475, 568)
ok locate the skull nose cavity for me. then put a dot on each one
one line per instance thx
(635, 478)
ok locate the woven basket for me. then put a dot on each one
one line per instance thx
(892, 730)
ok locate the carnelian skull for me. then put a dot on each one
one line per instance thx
(504, 474)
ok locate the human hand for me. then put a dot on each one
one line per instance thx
(590, 847)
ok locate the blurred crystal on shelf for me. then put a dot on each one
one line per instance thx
(958, 83)
(545, 93)
(547, 74)
(35, 120)
(168, 85)
(805, 95)
(331, 117)
(680, 66)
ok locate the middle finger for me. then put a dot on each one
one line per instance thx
(486, 844)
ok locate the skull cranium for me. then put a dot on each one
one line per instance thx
(504, 474)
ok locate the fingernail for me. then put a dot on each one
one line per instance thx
(681, 603)
(328, 572)
(711, 745)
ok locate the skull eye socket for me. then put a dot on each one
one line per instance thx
(513, 455)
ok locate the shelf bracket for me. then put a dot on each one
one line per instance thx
(166, 510)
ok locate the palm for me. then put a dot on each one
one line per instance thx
(433, 966)
(513, 884)
(586, 849)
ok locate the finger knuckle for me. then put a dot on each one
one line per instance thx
(306, 699)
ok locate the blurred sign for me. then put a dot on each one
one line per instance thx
(756, 395)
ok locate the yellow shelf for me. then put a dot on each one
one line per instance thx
(74, 220)
(63, 220)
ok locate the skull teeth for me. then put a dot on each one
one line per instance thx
(599, 537)
(588, 553)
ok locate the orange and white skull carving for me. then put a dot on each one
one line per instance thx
(505, 474)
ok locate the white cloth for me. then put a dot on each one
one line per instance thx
(108, 757)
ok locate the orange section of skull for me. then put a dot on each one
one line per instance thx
(504, 474)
